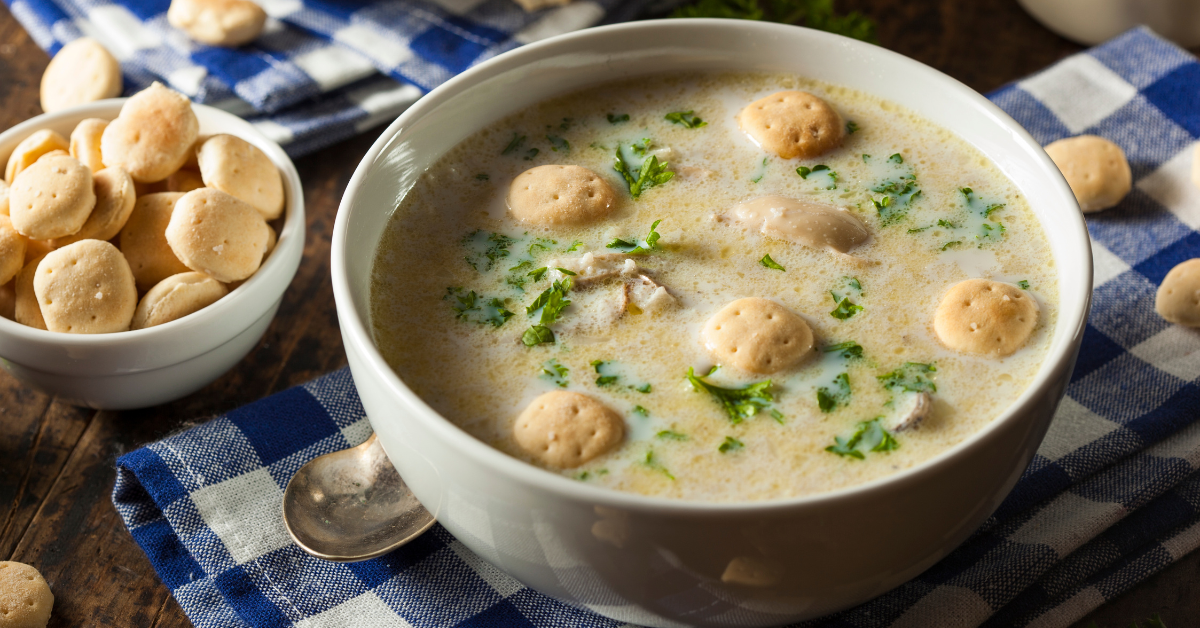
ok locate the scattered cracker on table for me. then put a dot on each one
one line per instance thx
(1095, 168)
(153, 134)
(1178, 298)
(566, 429)
(226, 23)
(25, 599)
(793, 124)
(83, 71)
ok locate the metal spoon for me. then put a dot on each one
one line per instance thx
(351, 505)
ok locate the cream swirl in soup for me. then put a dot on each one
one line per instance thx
(731, 325)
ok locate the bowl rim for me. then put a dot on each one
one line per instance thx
(356, 335)
(290, 243)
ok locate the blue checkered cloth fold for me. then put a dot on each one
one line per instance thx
(322, 70)
(1112, 496)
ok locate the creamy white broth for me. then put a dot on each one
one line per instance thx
(481, 377)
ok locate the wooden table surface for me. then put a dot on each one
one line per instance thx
(56, 460)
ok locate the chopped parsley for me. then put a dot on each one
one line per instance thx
(637, 247)
(899, 190)
(537, 273)
(482, 176)
(911, 376)
(848, 349)
(838, 393)
(614, 118)
(830, 176)
(762, 171)
(640, 410)
(845, 308)
(770, 263)
(1023, 284)
(485, 248)
(469, 306)
(517, 275)
(514, 145)
(686, 118)
(536, 335)
(644, 388)
(868, 436)
(953, 243)
(818, 14)
(730, 444)
(555, 372)
(851, 127)
(566, 271)
(552, 301)
(530, 154)
(653, 463)
(670, 435)
(603, 380)
(538, 245)
(558, 144)
(650, 172)
(739, 403)
(574, 246)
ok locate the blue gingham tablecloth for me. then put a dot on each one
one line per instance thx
(322, 70)
(1112, 496)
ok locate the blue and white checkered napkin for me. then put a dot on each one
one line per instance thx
(1112, 496)
(323, 70)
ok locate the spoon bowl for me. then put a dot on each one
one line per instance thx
(352, 505)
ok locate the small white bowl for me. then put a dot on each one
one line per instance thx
(656, 561)
(136, 369)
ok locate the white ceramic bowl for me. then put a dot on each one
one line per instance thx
(136, 369)
(656, 561)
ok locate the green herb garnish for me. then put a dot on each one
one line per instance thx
(552, 301)
(868, 436)
(848, 349)
(653, 463)
(603, 380)
(686, 119)
(730, 444)
(640, 410)
(574, 246)
(514, 145)
(637, 247)
(644, 388)
(829, 398)
(538, 273)
(536, 335)
(770, 263)
(911, 376)
(558, 144)
(618, 118)
(475, 308)
(486, 248)
(530, 154)
(482, 176)
(651, 173)
(739, 403)
(851, 127)
(670, 435)
(1023, 284)
(845, 308)
(555, 372)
